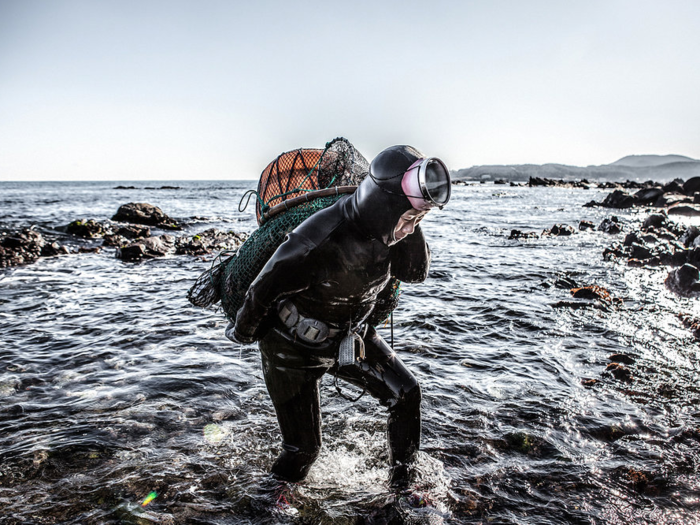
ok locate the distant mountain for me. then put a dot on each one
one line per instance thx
(632, 167)
(648, 161)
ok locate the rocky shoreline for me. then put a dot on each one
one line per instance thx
(129, 231)
(656, 241)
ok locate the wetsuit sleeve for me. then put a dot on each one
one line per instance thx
(410, 258)
(287, 272)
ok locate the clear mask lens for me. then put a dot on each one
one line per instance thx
(436, 182)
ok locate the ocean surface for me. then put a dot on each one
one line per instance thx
(113, 387)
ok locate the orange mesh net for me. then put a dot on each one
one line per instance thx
(288, 176)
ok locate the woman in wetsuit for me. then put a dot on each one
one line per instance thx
(316, 293)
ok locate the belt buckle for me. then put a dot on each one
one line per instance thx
(312, 330)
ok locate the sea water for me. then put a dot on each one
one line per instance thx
(122, 403)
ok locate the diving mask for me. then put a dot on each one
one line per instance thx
(426, 184)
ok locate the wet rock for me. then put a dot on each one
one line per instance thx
(649, 238)
(688, 237)
(144, 213)
(611, 225)
(692, 323)
(684, 281)
(560, 230)
(132, 231)
(621, 358)
(54, 249)
(639, 251)
(620, 372)
(517, 234)
(594, 292)
(663, 233)
(529, 444)
(632, 238)
(87, 229)
(25, 247)
(574, 304)
(666, 390)
(685, 210)
(86, 249)
(543, 181)
(671, 199)
(589, 382)
(691, 186)
(586, 225)
(679, 258)
(125, 187)
(675, 186)
(148, 248)
(614, 251)
(209, 241)
(126, 234)
(648, 195)
(619, 199)
(655, 220)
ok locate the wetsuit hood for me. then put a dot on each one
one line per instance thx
(380, 201)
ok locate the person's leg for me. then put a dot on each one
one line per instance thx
(386, 378)
(295, 396)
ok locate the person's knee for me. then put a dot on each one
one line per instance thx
(413, 396)
(408, 398)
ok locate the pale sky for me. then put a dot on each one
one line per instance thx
(210, 89)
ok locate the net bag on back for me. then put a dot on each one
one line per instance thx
(293, 187)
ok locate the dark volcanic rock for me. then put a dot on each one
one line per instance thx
(25, 247)
(143, 213)
(594, 292)
(648, 195)
(619, 199)
(517, 234)
(684, 281)
(89, 229)
(690, 322)
(650, 238)
(622, 358)
(586, 225)
(687, 210)
(640, 252)
(542, 181)
(671, 199)
(655, 220)
(560, 230)
(632, 237)
(611, 225)
(209, 241)
(688, 237)
(148, 248)
(675, 186)
(620, 372)
(126, 234)
(691, 185)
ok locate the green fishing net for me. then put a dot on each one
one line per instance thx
(295, 173)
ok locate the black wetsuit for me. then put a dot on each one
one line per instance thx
(332, 268)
